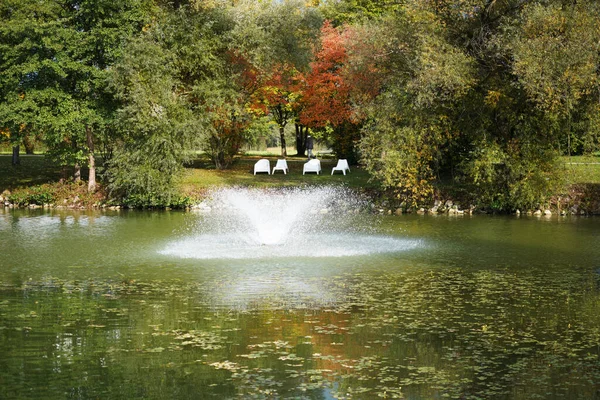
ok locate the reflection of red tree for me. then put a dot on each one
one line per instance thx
(327, 332)
(331, 337)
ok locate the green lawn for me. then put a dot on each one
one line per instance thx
(197, 177)
(582, 169)
(33, 170)
(201, 175)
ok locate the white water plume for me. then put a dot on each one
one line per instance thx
(300, 222)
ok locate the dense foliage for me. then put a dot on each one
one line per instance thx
(54, 64)
(175, 94)
(484, 94)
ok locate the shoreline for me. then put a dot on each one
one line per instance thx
(582, 200)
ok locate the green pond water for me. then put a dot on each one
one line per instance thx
(127, 305)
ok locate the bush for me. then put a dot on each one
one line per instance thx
(152, 200)
(505, 180)
(75, 194)
(40, 195)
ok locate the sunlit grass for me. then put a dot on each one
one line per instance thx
(582, 169)
(201, 175)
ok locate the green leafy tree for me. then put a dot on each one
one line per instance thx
(481, 92)
(271, 33)
(509, 137)
(154, 122)
(180, 87)
(227, 112)
(355, 11)
(411, 122)
(56, 56)
(26, 31)
(557, 58)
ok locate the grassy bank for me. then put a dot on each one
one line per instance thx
(201, 175)
(582, 169)
(39, 180)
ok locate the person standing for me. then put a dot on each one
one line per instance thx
(309, 146)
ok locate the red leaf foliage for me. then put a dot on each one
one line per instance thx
(326, 100)
(247, 74)
(343, 74)
(279, 88)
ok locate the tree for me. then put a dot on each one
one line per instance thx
(155, 125)
(180, 87)
(326, 99)
(277, 39)
(227, 111)
(23, 27)
(411, 121)
(508, 145)
(54, 68)
(481, 92)
(557, 58)
(302, 132)
(342, 80)
(356, 11)
(275, 33)
(277, 96)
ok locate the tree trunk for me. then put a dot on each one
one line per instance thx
(568, 130)
(16, 160)
(29, 145)
(91, 160)
(77, 173)
(283, 144)
(301, 133)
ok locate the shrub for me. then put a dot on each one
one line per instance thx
(40, 195)
(153, 200)
(74, 192)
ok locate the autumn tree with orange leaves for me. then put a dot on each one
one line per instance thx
(277, 37)
(278, 96)
(334, 87)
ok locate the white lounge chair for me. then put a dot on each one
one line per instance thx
(262, 165)
(281, 166)
(313, 165)
(342, 165)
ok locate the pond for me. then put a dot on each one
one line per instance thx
(165, 304)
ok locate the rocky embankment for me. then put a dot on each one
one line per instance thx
(581, 199)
